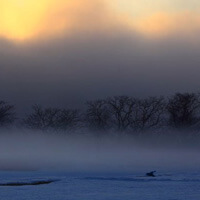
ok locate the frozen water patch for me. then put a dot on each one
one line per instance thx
(28, 182)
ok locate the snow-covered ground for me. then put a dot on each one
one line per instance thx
(171, 185)
(83, 167)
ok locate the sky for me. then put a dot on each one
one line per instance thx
(64, 52)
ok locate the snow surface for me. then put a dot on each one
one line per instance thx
(101, 186)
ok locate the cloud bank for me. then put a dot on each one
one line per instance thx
(97, 52)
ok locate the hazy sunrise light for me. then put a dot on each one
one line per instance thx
(30, 19)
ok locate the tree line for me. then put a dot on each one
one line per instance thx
(118, 113)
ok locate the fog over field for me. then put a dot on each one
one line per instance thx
(23, 150)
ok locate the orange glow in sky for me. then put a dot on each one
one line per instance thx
(22, 20)
(26, 19)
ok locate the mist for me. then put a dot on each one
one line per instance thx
(26, 150)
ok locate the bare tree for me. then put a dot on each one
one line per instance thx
(97, 115)
(68, 119)
(42, 119)
(183, 110)
(148, 113)
(7, 114)
(121, 108)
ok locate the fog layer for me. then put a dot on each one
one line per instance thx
(37, 151)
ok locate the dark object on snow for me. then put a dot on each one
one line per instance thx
(151, 174)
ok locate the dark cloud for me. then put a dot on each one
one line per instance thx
(68, 71)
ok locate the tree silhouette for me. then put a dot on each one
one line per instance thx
(42, 119)
(7, 114)
(68, 119)
(183, 110)
(148, 113)
(121, 108)
(97, 115)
